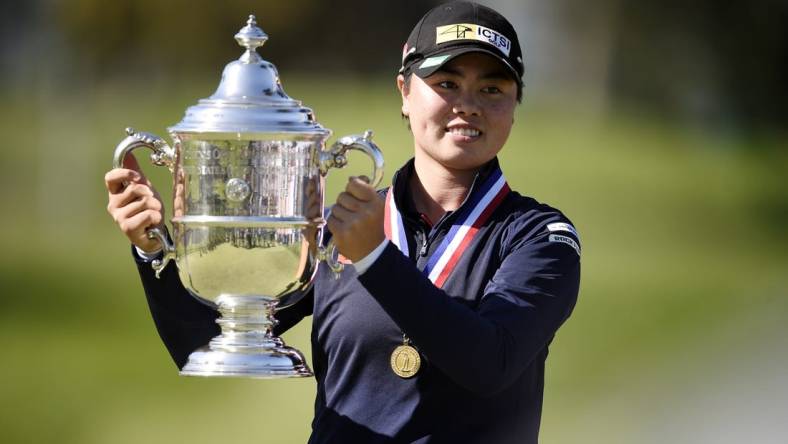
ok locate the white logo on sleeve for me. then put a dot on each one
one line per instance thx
(565, 240)
(563, 226)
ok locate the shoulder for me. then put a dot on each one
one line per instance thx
(528, 221)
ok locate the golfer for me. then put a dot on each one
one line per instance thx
(440, 330)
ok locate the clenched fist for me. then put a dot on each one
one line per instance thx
(134, 204)
(356, 220)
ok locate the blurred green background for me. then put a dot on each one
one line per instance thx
(657, 129)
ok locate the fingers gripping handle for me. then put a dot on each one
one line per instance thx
(163, 155)
(335, 158)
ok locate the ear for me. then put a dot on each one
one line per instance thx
(403, 90)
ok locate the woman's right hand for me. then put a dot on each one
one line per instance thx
(134, 204)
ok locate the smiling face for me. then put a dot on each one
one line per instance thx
(462, 114)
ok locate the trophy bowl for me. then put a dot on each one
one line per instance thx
(248, 166)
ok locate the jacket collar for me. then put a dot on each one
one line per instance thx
(404, 200)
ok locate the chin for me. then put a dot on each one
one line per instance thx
(464, 163)
(467, 158)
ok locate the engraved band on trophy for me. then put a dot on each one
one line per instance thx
(248, 166)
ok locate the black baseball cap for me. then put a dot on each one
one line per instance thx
(457, 28)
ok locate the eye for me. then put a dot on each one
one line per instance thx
(491, 90)
(447, 84)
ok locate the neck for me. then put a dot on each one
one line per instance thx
(436, 189)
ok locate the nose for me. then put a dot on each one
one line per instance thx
(466, 103)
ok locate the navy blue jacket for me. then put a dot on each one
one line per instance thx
(483, 337)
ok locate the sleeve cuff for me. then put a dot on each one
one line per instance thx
(363, 265)
(147, 257)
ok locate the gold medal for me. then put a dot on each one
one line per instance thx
(405, 360)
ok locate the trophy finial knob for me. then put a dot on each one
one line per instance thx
(251, 37)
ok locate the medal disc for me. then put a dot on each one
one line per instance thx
(405, 361)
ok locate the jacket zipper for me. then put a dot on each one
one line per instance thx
(424, 244)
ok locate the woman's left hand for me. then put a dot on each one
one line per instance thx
(356, 220)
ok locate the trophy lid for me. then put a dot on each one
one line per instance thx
(250, 98)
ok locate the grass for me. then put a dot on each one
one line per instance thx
(684, 252)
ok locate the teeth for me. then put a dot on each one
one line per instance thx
(467, 132)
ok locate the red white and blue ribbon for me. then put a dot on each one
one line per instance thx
(392, 223)
(471, 216)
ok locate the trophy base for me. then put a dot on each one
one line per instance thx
(280, 362)
(247, 347)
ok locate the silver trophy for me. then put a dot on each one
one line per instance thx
(248, 166)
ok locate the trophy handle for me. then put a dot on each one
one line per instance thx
(335, 157)
(163, 155)
(327, 254)
(168, 248)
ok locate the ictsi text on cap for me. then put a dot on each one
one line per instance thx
(457, 28)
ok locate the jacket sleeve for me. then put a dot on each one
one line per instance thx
(528, 298)
(183, 322)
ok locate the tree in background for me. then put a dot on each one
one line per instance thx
(719, 63)
(704, 63)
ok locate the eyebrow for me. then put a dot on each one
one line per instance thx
(497, 74)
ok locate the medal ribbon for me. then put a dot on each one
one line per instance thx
(392, 223)
(473, 214)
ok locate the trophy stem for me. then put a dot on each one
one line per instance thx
(247, 346)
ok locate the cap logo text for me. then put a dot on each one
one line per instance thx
(469, 31)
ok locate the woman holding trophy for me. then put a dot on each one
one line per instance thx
(439, 330)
